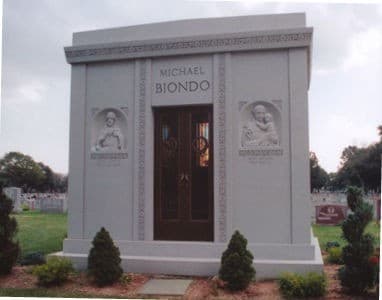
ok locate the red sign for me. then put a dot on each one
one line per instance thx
(330, 214)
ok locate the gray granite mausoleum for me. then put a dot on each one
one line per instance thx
(182, 132)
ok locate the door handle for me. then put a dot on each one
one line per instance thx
(186, 179)
(183, 178)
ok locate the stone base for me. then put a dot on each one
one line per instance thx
(203, 259)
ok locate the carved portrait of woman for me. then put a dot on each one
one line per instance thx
(260, 129)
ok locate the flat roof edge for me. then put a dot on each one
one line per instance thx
(186, 27)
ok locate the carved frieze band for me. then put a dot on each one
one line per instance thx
(135, 49)
(222, 184)
(141, 149)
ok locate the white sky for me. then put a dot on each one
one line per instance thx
(345, 102)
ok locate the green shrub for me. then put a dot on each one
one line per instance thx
(294, 285)
(354, 197)
(54, 272)
(24, 207)
(331, 244)
(34, 258)
(315, 284)
(125, 279)
(357, 274)
(104, 260)
(9, 249)
(335, 255)
(236, 264)
(291, 285)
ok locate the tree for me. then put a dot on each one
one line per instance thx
(357, 274)
(17, 169)
(319, 178)
(61, 183)
(104, 260)
(360, 167)
(53, 182)
(9, 249)
(236, 263)
(48, 184)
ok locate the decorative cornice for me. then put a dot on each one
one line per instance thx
(287, 38)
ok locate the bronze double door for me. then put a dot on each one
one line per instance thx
(183, 174)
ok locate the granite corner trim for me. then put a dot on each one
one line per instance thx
(217, 43)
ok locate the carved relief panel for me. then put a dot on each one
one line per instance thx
(109, 133)
(260, 128)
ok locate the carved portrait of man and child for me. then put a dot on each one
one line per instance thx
(260, 129)
(109, 128)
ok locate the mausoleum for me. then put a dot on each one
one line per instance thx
(182, 132)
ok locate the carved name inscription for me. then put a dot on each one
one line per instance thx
(182, 86)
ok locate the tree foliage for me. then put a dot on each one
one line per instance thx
(9, 249)
(53, 182)
(319, 178)
(357, 273)
(236, 263)
(360, 166)
(20, 170)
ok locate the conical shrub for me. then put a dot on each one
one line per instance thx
(357, 273)
(9, 249)
(104, 262)
(236, 264)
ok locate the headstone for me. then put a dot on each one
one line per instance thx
(14, 193)
(330, 214)
(183, 132)
(52, 203)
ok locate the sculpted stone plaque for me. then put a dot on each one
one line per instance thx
(109, 130)
(260, 129)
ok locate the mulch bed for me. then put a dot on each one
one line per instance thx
(201, 287)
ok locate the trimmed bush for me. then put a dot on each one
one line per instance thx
(24, 207)
(331, 244)
(335, 255)
(294, 285)
(34, 258)
(354, 197)
(236, 264)
(357, 275)
(55, 272)
(9, 249)
(104, 260)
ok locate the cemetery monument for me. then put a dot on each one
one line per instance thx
(182, 132)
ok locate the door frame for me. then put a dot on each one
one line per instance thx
(210, 222)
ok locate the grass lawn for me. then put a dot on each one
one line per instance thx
(41, 231)
(45, 232)
(326, 233)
